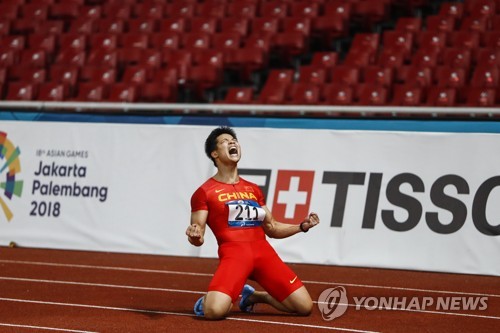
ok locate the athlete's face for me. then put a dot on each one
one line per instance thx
(228, 148)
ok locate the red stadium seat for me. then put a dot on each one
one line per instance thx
(237, 25)
(338, 94)
(453, 9)
(378, 75)
(441, 23)
(450, 77)
(296, 24)
(484, 76)
(194, 40)
(275, 9)
(117, 10)
(349, 75)
(71, 57)
(137, 75)
(303, 94)
(142, 26)
(134, 40)
(8, 11)
(181, 9)
(8, 58)
(426, 57)
(33, 58)
(103, 57)
(103, 41)
(52, 91)
(98, 74)
(265, 25)
(457, 58)
(156, 92)
(324, 59)
(226, 41)
(64, 10)
(91, 92)
(173, 24)
(242, 9)
(480, 97)
(245, 61)
(34, 12)
(465, 39)
(112, 25)
(203, 24)
(165, 40)
(407, 95)
(442, 97)
(123, 92)
(241, 95)
(306, 9)
(431, 39)
(73, 41)
(371, 94)
(409, 24)
(82, 25)
(154, 11)
(20, 91)
(312, 75)
(67, 75)
(213, 9)
(12, 42)
(488, 56)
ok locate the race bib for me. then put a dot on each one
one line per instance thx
(245, 213)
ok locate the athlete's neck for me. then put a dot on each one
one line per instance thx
(227, 175)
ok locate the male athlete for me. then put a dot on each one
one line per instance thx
(236, 212)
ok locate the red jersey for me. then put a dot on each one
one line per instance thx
(234, 210)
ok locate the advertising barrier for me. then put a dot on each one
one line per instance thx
(407, 200)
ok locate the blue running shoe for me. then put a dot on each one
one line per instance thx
(198, 307)
(245, 305)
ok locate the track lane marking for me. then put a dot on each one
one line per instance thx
(129, 269)
(100, 307)
(46, 328)
(89, 284)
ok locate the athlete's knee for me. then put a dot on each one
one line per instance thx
(215, 311)
(304, 308)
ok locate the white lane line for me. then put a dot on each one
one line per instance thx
(45, 328)
(203, 292)
(331, 328)
(141, 270)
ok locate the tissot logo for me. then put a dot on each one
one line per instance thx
(292, 195)
(448, 193)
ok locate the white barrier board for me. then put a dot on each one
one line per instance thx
(410, 200)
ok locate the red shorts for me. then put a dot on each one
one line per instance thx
(254, 260)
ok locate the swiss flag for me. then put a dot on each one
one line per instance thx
(292, 195)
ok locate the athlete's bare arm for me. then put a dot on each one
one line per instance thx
(275, 229)
(196, 229)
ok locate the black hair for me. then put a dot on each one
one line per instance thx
(211, 142)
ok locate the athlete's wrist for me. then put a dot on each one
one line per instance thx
(301, 227)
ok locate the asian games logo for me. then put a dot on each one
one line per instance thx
(10, 166)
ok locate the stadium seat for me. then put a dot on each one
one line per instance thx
(407, 95)
(450, 77)
(112, 25)
(33, 58)
(226, 41)
(274, 9)
(426, 57)
(371, 94)
(265, 25)
(156, 92)
(165, 40)
(239, 95)
(453, 9)
(349, 75)
(103, 57)
(71, 57)
(90, 92)
(241, 26)
(134, 40)
(491, 39)
(73, 41)
(165, 76)
(141, 25)
(245, 62)
(8, 11)
(213, 9)
(137, 75)
(303, 94)
(378, 75)
(64, 10)
(441, 97)
(409, 24)
(457, 58)
(296, 24)
(196, 40)
(181, 9)
(103, 75)
(488, 56)
(117, 10)
(465, 39)
(242, 9)
(484, 76)
(123, 92)
(20, 91)
(431, 39)
(52, 91)
(441, 23)
(67, 75)
(203, 24)
(312, 74)
(173, 24)
(393, 58)
(152, 11)
(306, 9)
(360, 58)
(8, 58)
(33, 11)
(338, 94)
(324, 59)
(393, 39)
(13, 42)
(480, 97)
(82, 25)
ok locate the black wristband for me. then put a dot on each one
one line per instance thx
(301, 227)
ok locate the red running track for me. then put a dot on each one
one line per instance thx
(71, 291)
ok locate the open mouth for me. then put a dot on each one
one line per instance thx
(233, 151)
